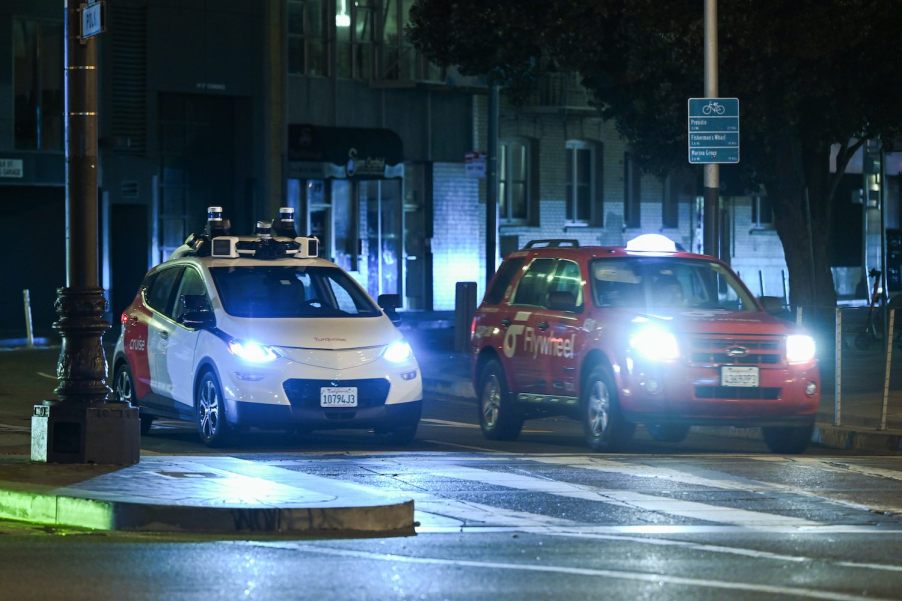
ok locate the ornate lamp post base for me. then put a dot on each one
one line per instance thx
(83, 427)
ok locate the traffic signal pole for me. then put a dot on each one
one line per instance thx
(711, 190)
(82, 426)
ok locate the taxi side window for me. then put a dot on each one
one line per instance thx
(565, 290)
(160, 294)
(533, 286)
(193, 284)
(506, 273)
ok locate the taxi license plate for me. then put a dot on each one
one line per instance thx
(343, 396)
(745, 377)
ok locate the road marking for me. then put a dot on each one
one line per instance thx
(465, 446)
(839, 466)
(48, 376)
(622, 498)
(436, 511)
(450, 424)
(673, 529)
(651, 578)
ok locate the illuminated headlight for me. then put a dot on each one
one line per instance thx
(655, 343)
(397, 352)
(799, 348)
(251, 351)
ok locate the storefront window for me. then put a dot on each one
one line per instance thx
(306, 39)
(38, 84)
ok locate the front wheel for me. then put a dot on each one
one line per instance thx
(604, 426)
(498, 417)
(212, 426)
(788, 440)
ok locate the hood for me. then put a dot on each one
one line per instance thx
(719, 321)
(322, 333)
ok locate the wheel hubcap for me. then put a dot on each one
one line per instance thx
(491, 401)
(599, 408)
(124, 387)
(208, 406)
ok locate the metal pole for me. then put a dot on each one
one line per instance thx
(837, 377)
(491, 185)
(712, 172)
(886, 369)
(29, 333)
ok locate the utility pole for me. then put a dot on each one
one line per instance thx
(712, 171)
(83, 426)
(491, 185)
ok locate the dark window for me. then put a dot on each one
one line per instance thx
(568, 278)
(291, 292)
(38, 84)
(533, 286)
(670, 203)
(631, 192)
(306, 39)
(506, 273)
(580, 187)
(762, 212)
(193, 284)
(160, 295)
(514, 167)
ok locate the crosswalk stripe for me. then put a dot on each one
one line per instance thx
(621, 498)
(839, 466)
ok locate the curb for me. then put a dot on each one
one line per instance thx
(78, 512)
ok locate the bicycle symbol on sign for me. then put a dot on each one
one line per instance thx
(713, 107)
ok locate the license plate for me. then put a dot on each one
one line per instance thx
(745, 377)
(344, 396)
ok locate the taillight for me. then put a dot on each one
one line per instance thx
(123, 319)
(472, 327)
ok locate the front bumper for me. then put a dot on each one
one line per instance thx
(287, 393)
(692, 394)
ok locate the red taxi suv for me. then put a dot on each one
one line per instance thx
(645, 334)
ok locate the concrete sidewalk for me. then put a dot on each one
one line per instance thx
(197, 494)
(447, 372)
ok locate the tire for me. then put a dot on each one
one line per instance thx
(402, 432)
(788, 440)
(210, 416)
(498, 417)
(604, 427)
(668, 432)
(124, 385)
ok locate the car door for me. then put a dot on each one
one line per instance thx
(183, 340)
(161, 298)
(565, 311)
(525, 341)
(136, 324)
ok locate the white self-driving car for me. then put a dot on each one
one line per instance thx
(233, 332)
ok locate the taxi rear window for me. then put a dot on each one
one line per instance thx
(667, 283)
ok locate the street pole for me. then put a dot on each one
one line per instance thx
(712, 171)
(491, 185)
(82, 426)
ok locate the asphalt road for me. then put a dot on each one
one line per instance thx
(539, 518)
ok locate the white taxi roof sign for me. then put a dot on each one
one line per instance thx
(652, 243)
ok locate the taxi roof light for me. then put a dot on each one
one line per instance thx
(652, 243)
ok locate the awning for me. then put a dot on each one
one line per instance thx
(346, 152)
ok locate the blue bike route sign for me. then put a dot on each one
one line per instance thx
(713, 130)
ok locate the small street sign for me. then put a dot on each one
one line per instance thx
(91, 19)
(713, 130)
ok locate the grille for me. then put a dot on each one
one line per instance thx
(760, 351)
(304, 394)
(736, 392)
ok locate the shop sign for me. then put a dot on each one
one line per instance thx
(474, 164)
(11, 168)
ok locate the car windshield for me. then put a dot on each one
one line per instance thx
(651, 283)
(290, 291)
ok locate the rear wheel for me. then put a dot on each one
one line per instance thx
(789, 440)
(668, 432)
(124, 385)
(604, 426)
(212, 426)
(498, 417)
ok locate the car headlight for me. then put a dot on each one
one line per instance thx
(655, 343)
(800, 348)
(397, 352)
(252, 352)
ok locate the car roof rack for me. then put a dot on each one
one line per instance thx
(553, 243)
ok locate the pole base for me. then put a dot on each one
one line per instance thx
(105, 434)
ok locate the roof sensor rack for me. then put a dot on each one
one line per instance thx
(553, 243)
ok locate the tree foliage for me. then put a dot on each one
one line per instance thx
(808, 74)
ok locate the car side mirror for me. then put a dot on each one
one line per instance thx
(196, 311)
(390, 304)
(772, 304)
(562, 301)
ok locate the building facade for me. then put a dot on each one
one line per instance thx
(324, 106)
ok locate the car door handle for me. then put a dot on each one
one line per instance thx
(164, 335)
(542, 325)
(505, 323)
